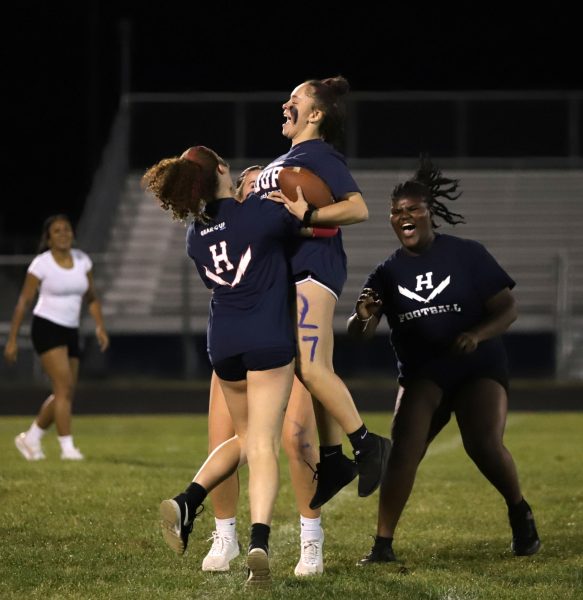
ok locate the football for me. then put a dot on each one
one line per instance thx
(315, 190)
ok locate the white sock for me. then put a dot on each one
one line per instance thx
(66, 442)
(34, 434)
(228, 527)
(311, 529)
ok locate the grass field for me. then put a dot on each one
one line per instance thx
(90, 530)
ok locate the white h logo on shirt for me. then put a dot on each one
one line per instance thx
(424, 282)
(222, 257)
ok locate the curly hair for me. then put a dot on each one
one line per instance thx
(328, 97)
(429, 185)
(184, 185)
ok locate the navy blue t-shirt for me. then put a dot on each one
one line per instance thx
(241, 256)
(324, 258)
(431, 298)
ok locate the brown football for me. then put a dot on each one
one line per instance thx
(315, 190)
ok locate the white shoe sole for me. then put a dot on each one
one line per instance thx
(170, 523)
(258, 565)
(75, 457)
(26, 450)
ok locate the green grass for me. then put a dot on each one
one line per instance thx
(90, 530)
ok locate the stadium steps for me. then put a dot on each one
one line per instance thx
(526, 219)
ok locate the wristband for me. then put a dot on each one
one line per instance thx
(308, 217)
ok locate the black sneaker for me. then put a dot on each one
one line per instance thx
(525, 540)
(381, 552)
(331, 477)
(372, 465)
(176, 523)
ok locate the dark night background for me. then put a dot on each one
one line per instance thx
(63, 72)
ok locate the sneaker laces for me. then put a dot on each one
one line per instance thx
(190, 525)
(314, 471)
(220, 540)
(311, 552)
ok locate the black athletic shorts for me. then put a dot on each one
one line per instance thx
(47, 335)
(452, 371)
(234, 368)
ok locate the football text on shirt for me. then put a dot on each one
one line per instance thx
(430, 310)
(267, 180)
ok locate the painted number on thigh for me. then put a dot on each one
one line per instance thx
(305, 308)
(314, 340)
(304, 313)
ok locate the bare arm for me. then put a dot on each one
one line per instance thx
(27, 295)
(347, 211)
(94, 307)
(501, 309)
(363, 323)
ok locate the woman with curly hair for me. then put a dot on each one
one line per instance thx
(239, 251)
(447, 302)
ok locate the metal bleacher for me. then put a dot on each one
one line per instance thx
(530, 220)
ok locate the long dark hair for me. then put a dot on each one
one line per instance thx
(328, 97)
(428, 184)
(43, 245)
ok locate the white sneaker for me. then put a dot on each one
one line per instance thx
(72, 454)
(311, 559)
(222, 552)
(29, 451)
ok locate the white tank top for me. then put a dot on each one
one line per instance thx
(61, 290)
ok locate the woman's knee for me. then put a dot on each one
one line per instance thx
(482, 446)
(63, 390)
(262, 447)
(298, 443)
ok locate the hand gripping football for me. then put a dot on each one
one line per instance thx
(315, 190)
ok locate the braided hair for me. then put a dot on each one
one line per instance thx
(430, 185)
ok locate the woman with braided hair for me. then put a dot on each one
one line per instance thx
(447, 302)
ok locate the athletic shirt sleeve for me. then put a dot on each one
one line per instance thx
(281, 217)
(38, 267)
(331, 168)
(88, 263)
(488, 276)
(379, 281)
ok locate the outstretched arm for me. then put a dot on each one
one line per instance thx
(363, 323)
(94, 307)
(29, 290)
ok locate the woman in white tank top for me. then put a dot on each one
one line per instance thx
(62, 277)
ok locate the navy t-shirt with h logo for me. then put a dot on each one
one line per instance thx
(240, 255)
(431, 298)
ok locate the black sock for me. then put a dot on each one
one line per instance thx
(260, 536)
(518, 509)
(383, 542)
(330, 452)
(194, 496)
(361, 439)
